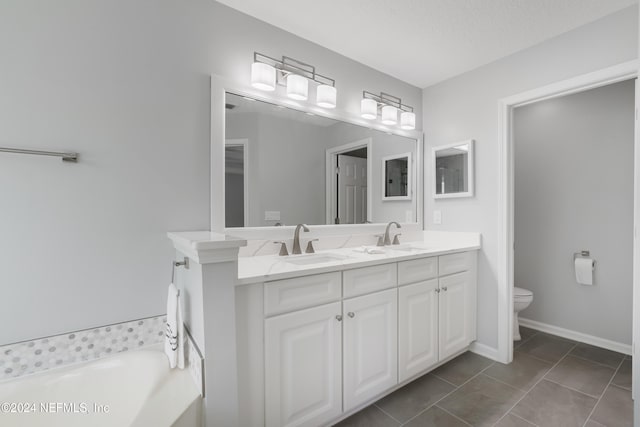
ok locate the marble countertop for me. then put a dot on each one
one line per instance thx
(259, 269)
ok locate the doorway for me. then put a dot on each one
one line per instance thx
(348, 183)
(236, 182)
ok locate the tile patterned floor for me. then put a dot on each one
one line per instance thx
(551, 382)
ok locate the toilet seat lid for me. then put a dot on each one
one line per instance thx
(519, 292)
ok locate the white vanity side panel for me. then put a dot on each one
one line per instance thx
(455, 263)
(250, 351)
(360, 281)
(417, 270)
(301, 292)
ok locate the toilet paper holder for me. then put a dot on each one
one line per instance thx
(582, 254)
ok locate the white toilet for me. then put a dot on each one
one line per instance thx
(521, 300)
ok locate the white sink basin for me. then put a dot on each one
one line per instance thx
(314, 259)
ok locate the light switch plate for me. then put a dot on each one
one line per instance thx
(437, 217)
(272, 215)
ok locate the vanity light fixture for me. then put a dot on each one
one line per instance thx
(389, 106)
(389, 115)
(266, 72)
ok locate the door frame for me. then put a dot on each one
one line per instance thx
(244, 143)
(603, 77)
(331, 163)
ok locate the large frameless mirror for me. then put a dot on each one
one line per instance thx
(284, 167)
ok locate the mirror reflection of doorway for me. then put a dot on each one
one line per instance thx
(235, 183)
(352, 187)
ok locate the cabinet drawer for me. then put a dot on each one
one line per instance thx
(300, 292)
(417, 270)
(365, 280)
(454, 263)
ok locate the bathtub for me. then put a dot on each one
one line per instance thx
(130, 389)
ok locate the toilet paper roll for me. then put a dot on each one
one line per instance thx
(584, 270)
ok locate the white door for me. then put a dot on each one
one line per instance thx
(352, 190)
(370, 345)
(454, 312)
(303, 370)
(417, 328)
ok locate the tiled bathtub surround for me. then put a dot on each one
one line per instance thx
(29, 357)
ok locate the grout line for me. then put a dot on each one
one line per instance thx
(603, 393)
(440, 378)
(593, 361)
(540, 359)
(619, 386)
(453, 415)
(537, 382)
(507, 384)
(593, 396)
(526, 421)
(450, 393)
(386, 413)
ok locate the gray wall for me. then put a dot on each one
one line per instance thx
(127, 84)
(574, 191)
(466, 107)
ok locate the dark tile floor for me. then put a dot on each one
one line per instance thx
(551, 382)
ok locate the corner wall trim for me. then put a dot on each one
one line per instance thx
(576, 336)
(484, 350)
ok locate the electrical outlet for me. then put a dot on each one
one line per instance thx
(272, 215)
(437, 217)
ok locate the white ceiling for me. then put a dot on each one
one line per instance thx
(426, 41)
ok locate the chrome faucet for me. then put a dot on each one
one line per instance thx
(387, 239)
(296, 239)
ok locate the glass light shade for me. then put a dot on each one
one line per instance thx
(389, 115)
(297, 87)
(407, 120)
(263, 76)
(326, 96)
(369, 109)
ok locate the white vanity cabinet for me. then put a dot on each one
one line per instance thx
(335, 341)
(303, 367)
(370, 346)
(437, 313)
(457, 302)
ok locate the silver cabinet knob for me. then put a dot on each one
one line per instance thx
(351, 314)
(444, 289)
(339, 318)
(438, 291)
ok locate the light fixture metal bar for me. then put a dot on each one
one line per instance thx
(387, 99)
(288, 65)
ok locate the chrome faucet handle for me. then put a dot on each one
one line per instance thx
(296, 238)
(310, 249)
(380, 239)
(283, 248)
(395, 239)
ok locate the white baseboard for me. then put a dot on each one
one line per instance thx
(575, 336)
(484, 350)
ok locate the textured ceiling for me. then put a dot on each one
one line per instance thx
(426, 41)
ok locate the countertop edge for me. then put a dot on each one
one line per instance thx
(300, 272)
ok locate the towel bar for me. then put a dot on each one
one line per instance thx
(184, 263)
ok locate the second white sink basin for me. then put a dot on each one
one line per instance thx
(408, 248)
(314, 259)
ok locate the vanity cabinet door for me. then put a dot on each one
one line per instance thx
(457, 315)
(417, 328)
(370, 345)
(303, 367)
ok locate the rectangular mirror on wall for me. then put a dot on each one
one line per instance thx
(285, 167)
(396, 172)
(452, 167)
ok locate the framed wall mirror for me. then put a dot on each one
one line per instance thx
(284, 166)
(396, 173)
(452, 167)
